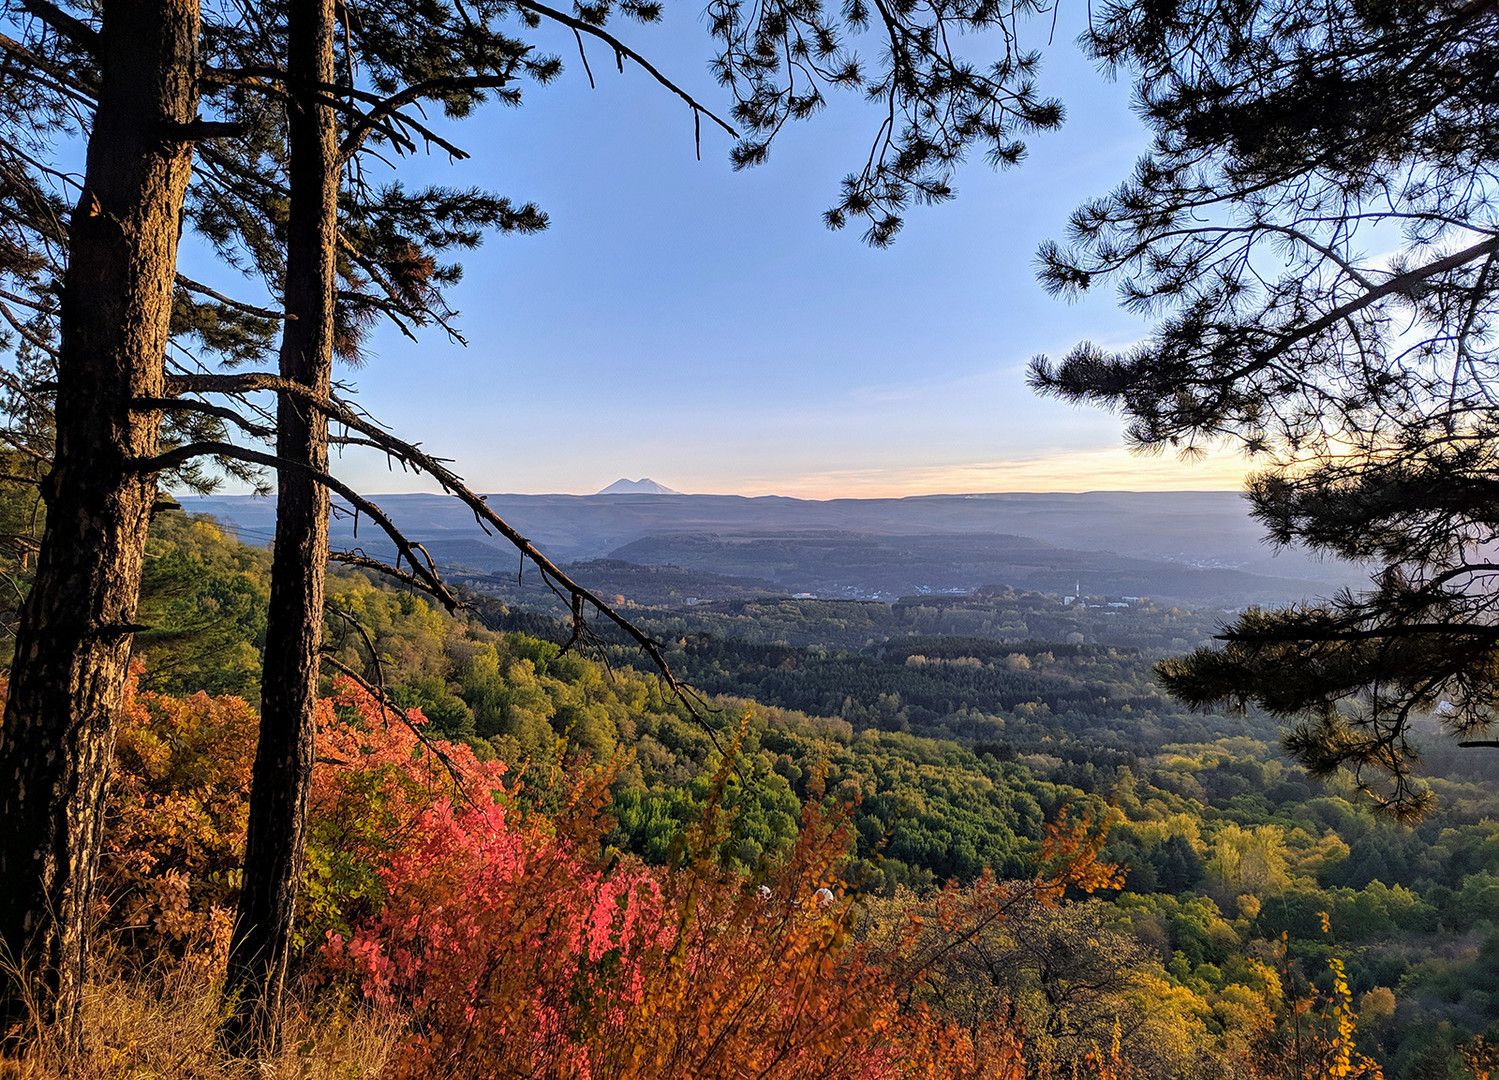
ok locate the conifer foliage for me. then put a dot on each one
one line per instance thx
(1314, 230)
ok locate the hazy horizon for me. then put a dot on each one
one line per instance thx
(382, 493)
(1111, 469)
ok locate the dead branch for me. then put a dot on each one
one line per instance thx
(249, 427)
(423, 568)
(349, 620)
(228, 301)
(448, 480)
(365, 562)
(387, 706)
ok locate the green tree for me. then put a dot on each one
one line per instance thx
(372, 250)
(1315, 232)
(204, 599)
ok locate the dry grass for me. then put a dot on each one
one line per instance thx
(154, 1026)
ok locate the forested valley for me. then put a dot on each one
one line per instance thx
(1260, 922)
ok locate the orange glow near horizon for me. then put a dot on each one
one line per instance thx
(1114, 469)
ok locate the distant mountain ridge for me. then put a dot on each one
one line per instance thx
(643, 486)
(1204, 546)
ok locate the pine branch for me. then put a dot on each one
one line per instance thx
(67, 81)
(390, 107)
(1408, 283)
(248, 426)
(79, 33)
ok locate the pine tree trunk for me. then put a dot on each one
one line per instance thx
(73, 644)
(283, 761)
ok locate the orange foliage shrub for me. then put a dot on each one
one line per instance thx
(523, 953)
(1481, 1056)
(175, 828)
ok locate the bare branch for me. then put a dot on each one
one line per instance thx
(390, 708)
(622, 50)
(423, 567)
(449, 481)
(229, 301)
(249, 427)
(365, 562)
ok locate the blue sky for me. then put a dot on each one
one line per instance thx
(699, 326)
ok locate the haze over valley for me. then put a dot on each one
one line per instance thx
(1195, 548)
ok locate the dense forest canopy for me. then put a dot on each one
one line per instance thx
(262, 131)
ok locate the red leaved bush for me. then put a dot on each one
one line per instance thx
(524, 952)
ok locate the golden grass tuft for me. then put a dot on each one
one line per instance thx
(162, 1026)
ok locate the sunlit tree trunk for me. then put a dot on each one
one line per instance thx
(73, 645)
(283, 761)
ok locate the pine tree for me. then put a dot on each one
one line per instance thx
(1315, 231)
(112, 317)
(385, 243)
(282, 776)
(91, 305)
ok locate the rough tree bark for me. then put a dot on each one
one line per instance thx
(73, 644)
(294, 628)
